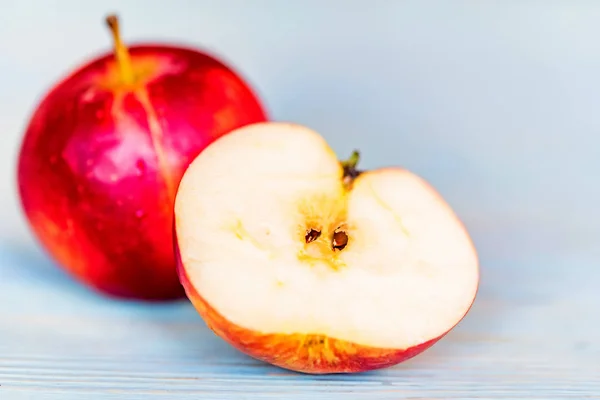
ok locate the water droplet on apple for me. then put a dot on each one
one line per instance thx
(140, 214)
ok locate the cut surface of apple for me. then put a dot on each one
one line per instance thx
(299, 260)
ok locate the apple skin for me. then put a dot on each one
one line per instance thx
(100, 162)
(309, 354)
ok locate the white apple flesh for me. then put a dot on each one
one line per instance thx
(296, 263)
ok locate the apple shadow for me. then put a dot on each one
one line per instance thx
(28, 264)
(196, 349)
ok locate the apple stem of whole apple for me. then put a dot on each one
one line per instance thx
(350, 170)
(121, 51)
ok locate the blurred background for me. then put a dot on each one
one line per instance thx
(496, 103)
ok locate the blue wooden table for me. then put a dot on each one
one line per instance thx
(495, 103)
(533, 333)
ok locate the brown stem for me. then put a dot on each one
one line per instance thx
(121, 51)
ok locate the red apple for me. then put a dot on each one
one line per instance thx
(103, 154)
(305, 262)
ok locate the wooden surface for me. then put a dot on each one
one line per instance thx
(534, 333)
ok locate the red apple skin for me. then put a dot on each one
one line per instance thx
(100, 163)
(309, 354)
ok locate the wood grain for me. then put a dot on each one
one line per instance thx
(533, 334)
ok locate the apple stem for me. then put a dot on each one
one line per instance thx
(121, 51)
(350, 171)
(352, 162)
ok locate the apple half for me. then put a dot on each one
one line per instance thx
(304, 262)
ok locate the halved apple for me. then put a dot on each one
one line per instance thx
(304, 262)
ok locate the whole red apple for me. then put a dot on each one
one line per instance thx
(103, 154)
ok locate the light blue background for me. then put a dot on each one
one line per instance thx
(496, 103)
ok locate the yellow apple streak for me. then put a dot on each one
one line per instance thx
(384, 205)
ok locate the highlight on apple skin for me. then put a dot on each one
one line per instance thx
(310, 264)
(103, 154)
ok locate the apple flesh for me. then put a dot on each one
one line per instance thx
(103, 154)
(304, 262)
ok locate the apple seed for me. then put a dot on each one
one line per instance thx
(340, 240)
(312, 235)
